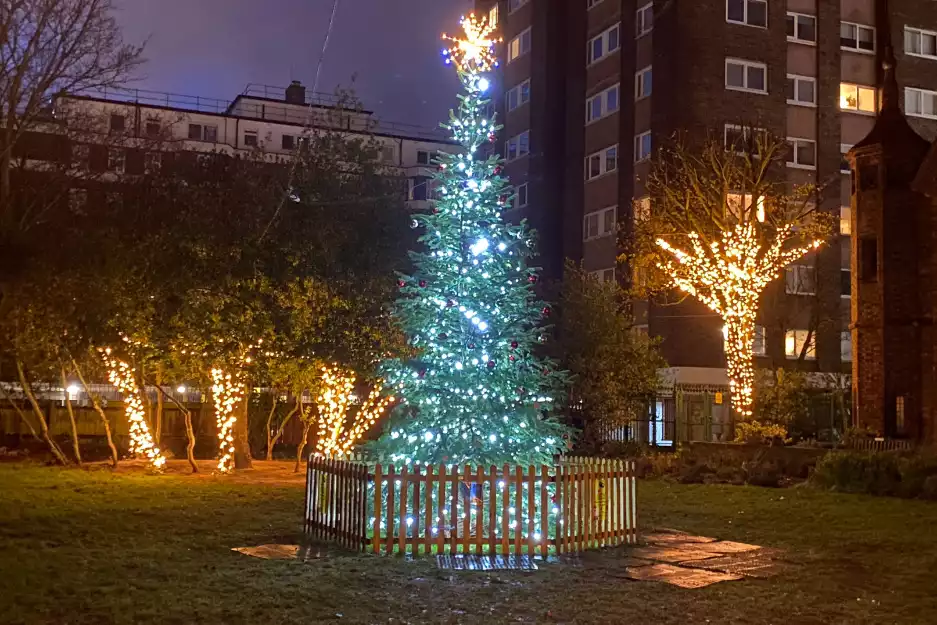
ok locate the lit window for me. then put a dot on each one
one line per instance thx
(740, 206)
(519, 46)
(642, 83)
(845, 220)
(642, 146)
(801, 90)
(801, 28)
(604, 44)
(802, 153)
(116, 161)
(748, 12)
(845, 346)
(644, 20)
(520, 196)
(797, 342)
(899, 415)
(599, 224)
(603, 104)
(856, 98)
(493, 16)
(919, 42)
(800, 280)
(920, 102)
(518, 146)
(514, 5)
(746, 76)
(758, 345)
(856, 37)
(602, 162)
(518, 96)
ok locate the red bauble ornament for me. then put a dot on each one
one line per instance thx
(491, 364)
(513, 344)
(512, 357)
(545, 371)
(422, 373)
(401, 283)
(532, 279)
(546, 311)
(422, 283)
(471, 345)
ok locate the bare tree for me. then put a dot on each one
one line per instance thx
(51, 47)
(723, 223)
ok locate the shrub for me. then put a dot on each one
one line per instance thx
(902, 474)
(757, 433)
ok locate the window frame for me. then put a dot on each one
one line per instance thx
(514, 5)
(859, 89)
(845, 338)
(644, 87)
(921, 33)
(251, 133)
(858, 27)
(922, 93)
(603, 159)
(517, 138)
(641, 21)
(605, 110)
(517, 90)
(604, 37)
(794, 334)
(795, 143)
(515, 203)
(638, 142)
(843, 150)
(803, 274)
(600, 223)
(519, 38)
(746, 65)
(494, 17)
(745, 11)
(758, 338)
(152, 161)
(590, 4)
(123, 123)
(845, 217)
(117, 161)
(798, 78)
(795, 38)
(746, 132)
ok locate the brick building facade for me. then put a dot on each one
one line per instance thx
(608, 81)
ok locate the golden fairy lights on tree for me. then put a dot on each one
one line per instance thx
(720, 225)
(335, 438)
(121, 376)
(227, 393)
(729, 277)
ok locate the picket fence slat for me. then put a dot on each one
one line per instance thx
(574, 505)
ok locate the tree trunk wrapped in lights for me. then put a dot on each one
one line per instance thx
(121, 375)
(720, 225)
(335, 437)
(729, 276)
(227, 394)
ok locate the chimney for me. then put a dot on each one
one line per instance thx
(296, 93)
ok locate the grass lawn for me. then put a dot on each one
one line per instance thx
(96, 548)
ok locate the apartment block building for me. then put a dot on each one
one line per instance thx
(117, 133)
(587, 90)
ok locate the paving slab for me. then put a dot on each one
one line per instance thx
(270, 552)
(667, 538)
(680, 576)
(672, 553)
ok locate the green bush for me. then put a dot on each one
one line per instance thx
(893, 473)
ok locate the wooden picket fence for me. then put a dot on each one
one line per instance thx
(574, 505)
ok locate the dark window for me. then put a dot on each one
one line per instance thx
(868, 259)
(422, 158)
(845, 278)
(211, 134)
(868, 177)
(418, 186)
(152, 129)
(289, 142)
(250, 138)
(195, 132)
(118, 123)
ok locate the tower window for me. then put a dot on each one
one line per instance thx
(868, 259)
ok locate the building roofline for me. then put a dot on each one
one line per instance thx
(178, 109)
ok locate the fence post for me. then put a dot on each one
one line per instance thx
(378, 504)
(544, 512)
(391, 508)
(402, 526)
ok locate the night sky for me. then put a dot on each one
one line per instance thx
(213, 48)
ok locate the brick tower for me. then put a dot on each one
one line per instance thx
(893, 265)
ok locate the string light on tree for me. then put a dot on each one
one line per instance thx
(120, 374)
(729, 276)
(335, 439)
(227, 393)
(478, 392)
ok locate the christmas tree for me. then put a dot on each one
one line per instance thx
(477, 392)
